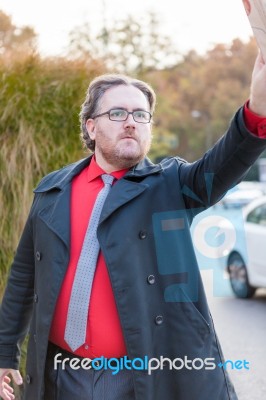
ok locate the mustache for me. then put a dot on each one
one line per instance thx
(129, 133)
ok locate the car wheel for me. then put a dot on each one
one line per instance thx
(239, 277)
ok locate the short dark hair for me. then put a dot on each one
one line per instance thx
(96, 90)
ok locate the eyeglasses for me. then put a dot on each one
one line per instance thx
(119, 114)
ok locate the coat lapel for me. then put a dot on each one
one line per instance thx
(122, 192)
(129, 187)
(57, 215)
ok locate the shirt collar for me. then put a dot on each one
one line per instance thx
(94, 171)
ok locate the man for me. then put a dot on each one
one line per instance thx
(128, 218)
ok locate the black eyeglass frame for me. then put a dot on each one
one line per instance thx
(128, 113)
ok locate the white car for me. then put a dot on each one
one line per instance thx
(245, 258)
(242, 194)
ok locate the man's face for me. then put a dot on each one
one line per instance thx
(120, 144)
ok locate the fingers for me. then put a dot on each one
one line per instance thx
(16, 376)
(6, 391)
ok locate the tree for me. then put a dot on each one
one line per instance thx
(130, 45)
(198, 97)
(15, 41)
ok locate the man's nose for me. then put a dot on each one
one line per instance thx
(130, 122)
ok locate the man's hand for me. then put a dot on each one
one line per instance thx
(6, 391)
(257, 102)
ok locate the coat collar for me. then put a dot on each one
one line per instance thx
(144, 168)
(56, 214)
(58, 179)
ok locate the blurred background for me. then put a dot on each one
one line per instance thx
(197, 55)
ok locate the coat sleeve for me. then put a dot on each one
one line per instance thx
(207, 180)
(16, 307)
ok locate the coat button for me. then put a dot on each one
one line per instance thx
(142, 235)
(28, 378)
(151, 279)
(38, 256)
(35, 298)
(159, 320)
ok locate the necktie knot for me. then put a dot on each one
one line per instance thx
(107, 179)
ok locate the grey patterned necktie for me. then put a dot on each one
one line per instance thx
(76, 324)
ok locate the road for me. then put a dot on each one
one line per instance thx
(241, 328)
(240, 323)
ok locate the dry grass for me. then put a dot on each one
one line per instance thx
(39, 132)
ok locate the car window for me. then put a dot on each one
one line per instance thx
(262, 219)
(258, 215)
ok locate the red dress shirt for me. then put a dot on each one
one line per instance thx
(255, 123)
(104, 332)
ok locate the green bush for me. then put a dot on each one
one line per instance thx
(39, 132)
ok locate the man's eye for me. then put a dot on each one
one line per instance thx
(141, 115)
(118, 113)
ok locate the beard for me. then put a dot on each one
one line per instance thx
(126, 152)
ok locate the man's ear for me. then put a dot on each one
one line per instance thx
(90, 125)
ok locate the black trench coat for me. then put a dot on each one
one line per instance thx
(145, 239)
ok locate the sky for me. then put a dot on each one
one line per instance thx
(191, 24)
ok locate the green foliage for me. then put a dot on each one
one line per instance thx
(39, 132)
(198, 97)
